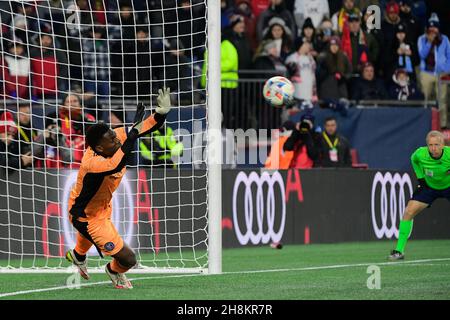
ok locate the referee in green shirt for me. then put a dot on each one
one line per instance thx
(432, 167)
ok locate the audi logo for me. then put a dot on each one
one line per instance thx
(263, 210)
(387, 210)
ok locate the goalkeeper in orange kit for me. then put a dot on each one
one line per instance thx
(101, 170)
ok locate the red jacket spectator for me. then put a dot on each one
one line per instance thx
(259, 6)
(48, 67)
(44, 69)
(15, 71)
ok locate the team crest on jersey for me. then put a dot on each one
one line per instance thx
(109, 246)
(429, 173)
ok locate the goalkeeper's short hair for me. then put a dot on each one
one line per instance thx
(95, 134)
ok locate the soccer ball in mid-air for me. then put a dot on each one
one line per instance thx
(278, 91)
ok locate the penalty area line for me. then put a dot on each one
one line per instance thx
(339, 266)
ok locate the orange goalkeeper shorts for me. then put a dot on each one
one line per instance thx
(102, 233)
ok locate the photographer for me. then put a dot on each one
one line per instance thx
(50, 148)
(305, 142)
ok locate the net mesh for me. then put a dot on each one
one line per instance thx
(68, 64)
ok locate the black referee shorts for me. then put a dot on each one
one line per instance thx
(428, 195)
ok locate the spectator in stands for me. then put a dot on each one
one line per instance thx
(48, 67)
(25, 20)
(374, 32)
(407, 17)
(178, 71)
(304, 79)
(334, 72)
(237, 36)
(87, 19)
(334, 148)
(15, 70)
(50, 148)
(402, 87)
(317, 10)
(226, 8)
(404, 54)
(278, 30)
(442, 10)
(359, 46)
(368, 87)
(324, 34)
(138, 73)
(25, 132)
(160, 148)
(190, 26)
(9, 147)
(72, 122)
(389, 26)
(339, 19)
(305, 143)
(276, 8)
(96, 63)
(267, 58)
(121, 37)
(434, 53)
(235, 55)
(308, 34)
(244, 8)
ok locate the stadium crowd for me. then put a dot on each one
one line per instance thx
(334, 49)
(326, 47)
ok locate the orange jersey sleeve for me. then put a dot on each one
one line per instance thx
(149, 123)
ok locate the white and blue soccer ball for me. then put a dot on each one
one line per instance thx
(278, 91)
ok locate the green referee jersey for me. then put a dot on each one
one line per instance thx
(436, 172)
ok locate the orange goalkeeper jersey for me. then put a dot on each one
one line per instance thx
(98, 178)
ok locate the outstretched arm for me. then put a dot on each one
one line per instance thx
(140, 127)
(156, 120)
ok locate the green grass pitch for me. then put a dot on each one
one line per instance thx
(325, 271)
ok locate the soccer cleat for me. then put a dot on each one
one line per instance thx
(81, 265)
(396, 255)
(119, 280)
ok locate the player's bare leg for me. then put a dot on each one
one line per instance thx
(78, 257)
(412, 209)
(122, 261)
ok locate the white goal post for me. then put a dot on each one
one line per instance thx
(66, 64)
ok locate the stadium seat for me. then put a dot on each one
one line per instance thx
(355, 163)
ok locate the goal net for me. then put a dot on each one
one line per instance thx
(66, 64)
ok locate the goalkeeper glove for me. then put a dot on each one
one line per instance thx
(139, 117)
(163, 101)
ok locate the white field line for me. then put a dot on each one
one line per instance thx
(339, 266)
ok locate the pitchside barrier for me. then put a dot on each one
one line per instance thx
(259, 207)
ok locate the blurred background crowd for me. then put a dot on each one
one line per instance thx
(73, 57)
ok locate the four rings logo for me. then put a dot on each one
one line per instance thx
(385, 208)
(264, 208)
